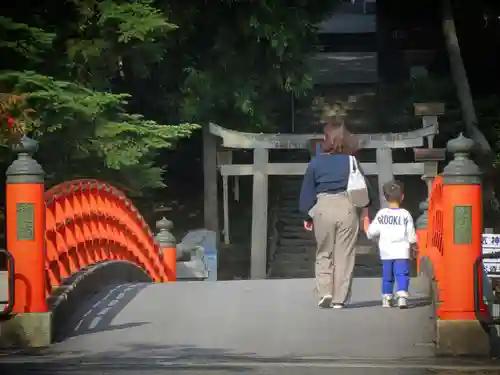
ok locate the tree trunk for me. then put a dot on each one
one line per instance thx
(459, 76)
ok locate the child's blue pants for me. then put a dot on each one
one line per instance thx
(395, 270)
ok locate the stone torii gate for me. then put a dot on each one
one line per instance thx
(261, 143)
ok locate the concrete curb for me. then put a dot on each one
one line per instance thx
(64, 301)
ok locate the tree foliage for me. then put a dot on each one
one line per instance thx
(105, 79)
(242, 60)
(79, 115)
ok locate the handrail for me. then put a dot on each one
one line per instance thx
(11, 272)
(88, 221)
(487, 320)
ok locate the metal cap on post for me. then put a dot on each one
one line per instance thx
(168, 246)
(164, 237)
(25, 169)
(461, 170)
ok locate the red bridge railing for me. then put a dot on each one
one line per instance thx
(88, 221)
(448, 252)
(431, 247)
(52, 235)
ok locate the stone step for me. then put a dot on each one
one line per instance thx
(307, 271)
(296, 222)
(291, 206)
(308, 251)
(297, 232)
(292, 270)
(293, 249)
(292, 186)
(296, 265)
(368, 249)
(296, 183)
(289, 196)
(289, 214)
(292, 274)
(296, 243)
(291, 226)
(285, 257)
(368, 261)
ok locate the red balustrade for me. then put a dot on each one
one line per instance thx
(88, 221)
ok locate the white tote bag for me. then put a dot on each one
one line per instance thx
(356, 186)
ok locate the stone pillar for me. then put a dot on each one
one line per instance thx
(459, 332)
(25, 214)
(168, 247)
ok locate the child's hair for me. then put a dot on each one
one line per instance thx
(393, 191)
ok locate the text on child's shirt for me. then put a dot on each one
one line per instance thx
(392, 220)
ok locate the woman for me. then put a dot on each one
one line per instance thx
(327, 208)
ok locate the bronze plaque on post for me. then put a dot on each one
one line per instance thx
(25, 221)
(462, 225)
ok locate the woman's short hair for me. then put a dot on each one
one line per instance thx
(338, 140)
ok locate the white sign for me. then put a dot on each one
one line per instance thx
(491, 244)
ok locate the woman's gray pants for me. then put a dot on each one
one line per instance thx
(336, 227)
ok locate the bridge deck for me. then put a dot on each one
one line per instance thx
(268, 318)
(267, 327)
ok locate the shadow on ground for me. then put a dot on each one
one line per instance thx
(155, 360)
(97, 314)
(412, 303)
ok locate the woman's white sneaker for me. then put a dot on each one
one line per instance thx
(325, 301)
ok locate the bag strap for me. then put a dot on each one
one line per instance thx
(353, 165)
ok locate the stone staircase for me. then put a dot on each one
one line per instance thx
(294, 254)
(295, 249)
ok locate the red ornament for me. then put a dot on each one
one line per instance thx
(11, 122)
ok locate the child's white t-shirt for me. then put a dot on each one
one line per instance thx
(396, 232)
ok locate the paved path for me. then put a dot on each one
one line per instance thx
(268, 327)
(267, 318)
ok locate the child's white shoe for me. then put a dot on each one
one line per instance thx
(402, 299)
(387, 300)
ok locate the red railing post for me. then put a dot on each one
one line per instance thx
(168, 247)
(459, 332)
(25, 213)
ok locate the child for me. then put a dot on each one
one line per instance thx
(394, 227)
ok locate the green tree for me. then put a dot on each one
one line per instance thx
(105, 79)
(237, 63)
(80, 116)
